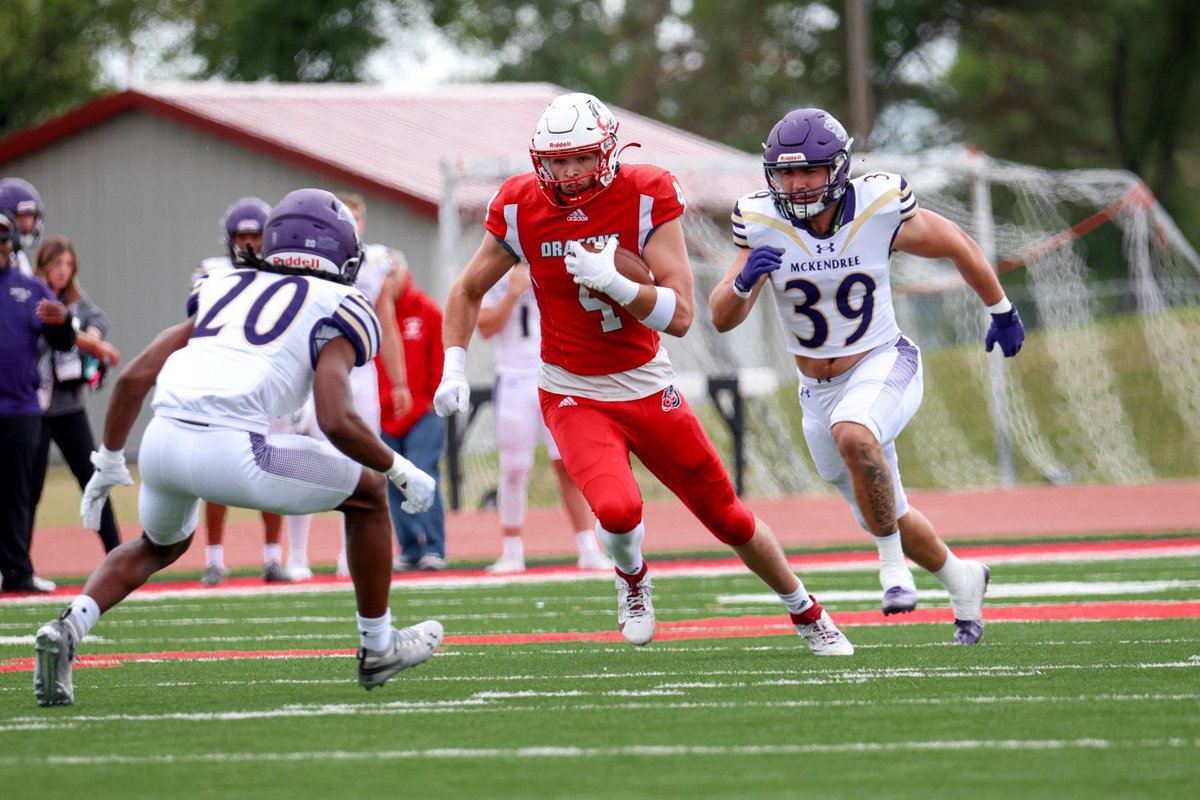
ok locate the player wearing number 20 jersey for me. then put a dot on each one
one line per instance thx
(833, 292)
(251, 356)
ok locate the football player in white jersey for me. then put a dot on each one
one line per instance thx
(509, 313)
(258, 341)
(377, 280)
(823, 243)
(241, 226)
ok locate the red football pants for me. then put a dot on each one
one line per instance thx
(596, 437)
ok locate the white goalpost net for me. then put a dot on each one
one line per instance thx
(1109, 379)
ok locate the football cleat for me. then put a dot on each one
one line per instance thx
(635, 609)
(899, 600)
(275, 573)
(968, 606)
(507, 565)
(409, 647)
(593, 560)
(213, 575)
(55, 643)
(816, 627)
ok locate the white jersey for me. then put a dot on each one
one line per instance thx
(254, 348)
(209, 266)
(833, 292)
(23, 263)
(519, 342)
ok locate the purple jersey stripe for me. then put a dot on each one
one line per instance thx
(303, 464)
(902, 374)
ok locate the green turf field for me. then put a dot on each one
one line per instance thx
(1053, 709)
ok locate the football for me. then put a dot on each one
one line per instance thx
(628, 263)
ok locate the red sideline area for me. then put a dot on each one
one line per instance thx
(799, 522)
(713, 628)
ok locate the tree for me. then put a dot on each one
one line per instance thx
(283, 40)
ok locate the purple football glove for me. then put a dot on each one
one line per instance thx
(761, 261)
(1007, 331)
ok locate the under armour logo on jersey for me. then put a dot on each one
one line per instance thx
(671, 399)
(804, 392)
(567, 401)
(821, 248)
(577, 216)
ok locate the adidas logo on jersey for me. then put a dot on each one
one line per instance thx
(577, 216)
(567, 401)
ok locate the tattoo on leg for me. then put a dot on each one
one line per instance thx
(880, 494)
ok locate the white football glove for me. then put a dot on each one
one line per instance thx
(598, 271)
(110, 470)
(417, 487)
(453, 393)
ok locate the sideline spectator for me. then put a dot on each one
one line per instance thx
(28, 312)
(418, 434)
(66, 376)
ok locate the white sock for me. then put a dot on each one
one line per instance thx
(83, 614)
(625, 548)
(214, 556)
(375, 633)
(585, 540)
(952, 575)
(893, 569)
(798, 601)
(298, 527)
(272, 554)
(514, 549)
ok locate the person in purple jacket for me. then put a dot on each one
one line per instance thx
(28, 311)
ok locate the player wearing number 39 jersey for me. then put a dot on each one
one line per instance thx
(822, 244)
(256, 341)
(606, 384)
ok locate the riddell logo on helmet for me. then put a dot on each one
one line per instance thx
(560, 145)
(790, 157)
(296, 260)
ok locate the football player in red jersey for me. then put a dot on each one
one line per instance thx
(606, 383)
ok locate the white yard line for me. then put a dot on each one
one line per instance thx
(639, 751)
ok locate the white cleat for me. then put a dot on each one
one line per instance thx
(968, 606)
(299, 572)
(593, 560)
(507, 565)
(816, 627)
(410, 647)
(55, 644)
(635, 609)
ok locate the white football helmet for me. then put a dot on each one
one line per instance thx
(572, 124)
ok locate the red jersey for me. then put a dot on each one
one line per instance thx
(582, 333)
(419, 320)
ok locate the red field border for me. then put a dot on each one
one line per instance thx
(1096, 550)
(711, 628)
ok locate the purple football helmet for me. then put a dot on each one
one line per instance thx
(17, 196)
(312, 229)
(248, 215)
(807, 137)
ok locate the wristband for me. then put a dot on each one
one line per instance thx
(1001, 307)
(664, 309)
(742, 293)
(456, 359)
(623, 290)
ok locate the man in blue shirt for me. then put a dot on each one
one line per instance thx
(28, 310)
